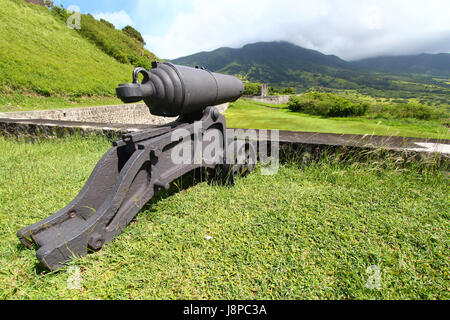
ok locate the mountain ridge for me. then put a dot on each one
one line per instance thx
(282, 63)
(365, 62)
(433, 63)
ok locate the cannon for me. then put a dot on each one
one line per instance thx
(141, 164)
(171, 90)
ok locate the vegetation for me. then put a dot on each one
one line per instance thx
(126, 46)
(54, 66)
(312, 231)
(246, 113)
(107, 23)
(309, 232)
(289, 90)
(408, 110)
(252, 89)
(44, 64)
(437, 64)
(326, 104)
(282, 65)
(132, 32)
(274, 91)
(335, 105)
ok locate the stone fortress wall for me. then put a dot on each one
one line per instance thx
(121, 114)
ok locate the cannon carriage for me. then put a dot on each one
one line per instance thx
(139, 165)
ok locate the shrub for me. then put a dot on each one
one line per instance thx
(289, 90)
(327, 105)
(132, 32)
(408, 110)
(107, 23)
(60, 12)
(274, 91)
(49, 4)
(252, 89)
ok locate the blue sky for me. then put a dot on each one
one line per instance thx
(156, 16)
(350, 29)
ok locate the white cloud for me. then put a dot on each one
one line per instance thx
(119, 18)
(349, 29)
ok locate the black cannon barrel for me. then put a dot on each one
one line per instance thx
(172, 90)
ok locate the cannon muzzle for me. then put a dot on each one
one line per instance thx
(171, 90)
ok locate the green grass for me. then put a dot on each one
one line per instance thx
(41, 57)
(309, 232)
(249, 114)
(112, 41)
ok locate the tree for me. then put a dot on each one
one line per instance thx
(133, 33)
(289, 90)
(109, 24)
(252, 89)
(49, 4)
(273, 91)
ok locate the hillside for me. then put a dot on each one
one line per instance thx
(282, 64)
(45, 64)
(432, 64)
(114, 42)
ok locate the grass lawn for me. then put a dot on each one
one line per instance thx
(249, 114)
(309, 232)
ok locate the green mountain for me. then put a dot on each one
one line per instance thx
(278, 63)
(282, 64)
(432, 64)
(278, 55)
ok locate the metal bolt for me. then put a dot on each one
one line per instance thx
(72, 214)
(95, 241)
(215, 114)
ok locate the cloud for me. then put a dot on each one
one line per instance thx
(350, 29)
(119, 18)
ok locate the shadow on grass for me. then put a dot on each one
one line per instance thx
(39, 268)
(182, 184)
(20, 247)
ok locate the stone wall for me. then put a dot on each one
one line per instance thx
(271, 99)
(121, 114)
